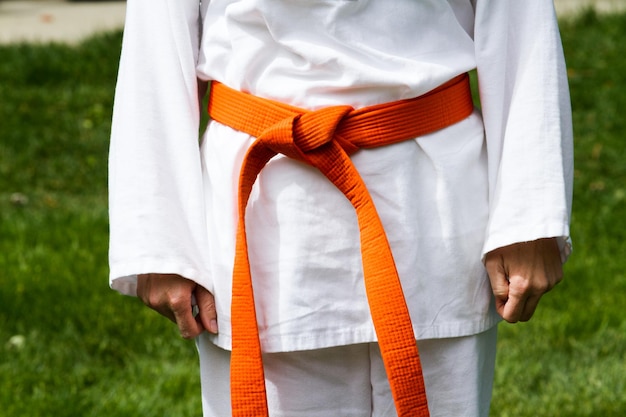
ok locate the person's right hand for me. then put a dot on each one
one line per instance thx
(171, 295)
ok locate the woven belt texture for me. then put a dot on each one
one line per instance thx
(324, 139)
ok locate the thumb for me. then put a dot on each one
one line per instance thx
(207, 313)
(499, 281)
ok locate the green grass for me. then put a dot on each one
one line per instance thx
(570, 360)
(81, 349)
(69, 346)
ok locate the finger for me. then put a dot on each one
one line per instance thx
(518, 298)
(501, 300)
(512, 311)
(207, 314)
(183, 315)
(530, 308)
(499, 282)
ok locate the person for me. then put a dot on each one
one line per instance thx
(476, 213)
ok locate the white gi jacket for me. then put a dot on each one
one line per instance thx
(445, 199)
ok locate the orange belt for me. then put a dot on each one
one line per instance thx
(324, 139)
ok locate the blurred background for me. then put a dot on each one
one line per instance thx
(69, 346)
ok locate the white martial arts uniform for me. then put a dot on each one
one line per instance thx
(499, 177)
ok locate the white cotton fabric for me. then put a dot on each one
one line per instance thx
(350, 381)
(501, 176)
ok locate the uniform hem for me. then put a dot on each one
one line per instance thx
(124, 278)
(341, 337)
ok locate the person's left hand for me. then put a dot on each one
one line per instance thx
(520, 274)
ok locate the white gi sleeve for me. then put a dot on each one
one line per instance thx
(157, 220)
(527, 115)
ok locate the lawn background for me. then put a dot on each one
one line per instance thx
(69, 346)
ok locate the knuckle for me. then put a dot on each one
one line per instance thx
(151, 300)
(532, 288)
(178, 302)
(542, 287)
(520, 287)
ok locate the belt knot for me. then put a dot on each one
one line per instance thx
(301, 133)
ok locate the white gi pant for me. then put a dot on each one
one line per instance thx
(350, 381)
